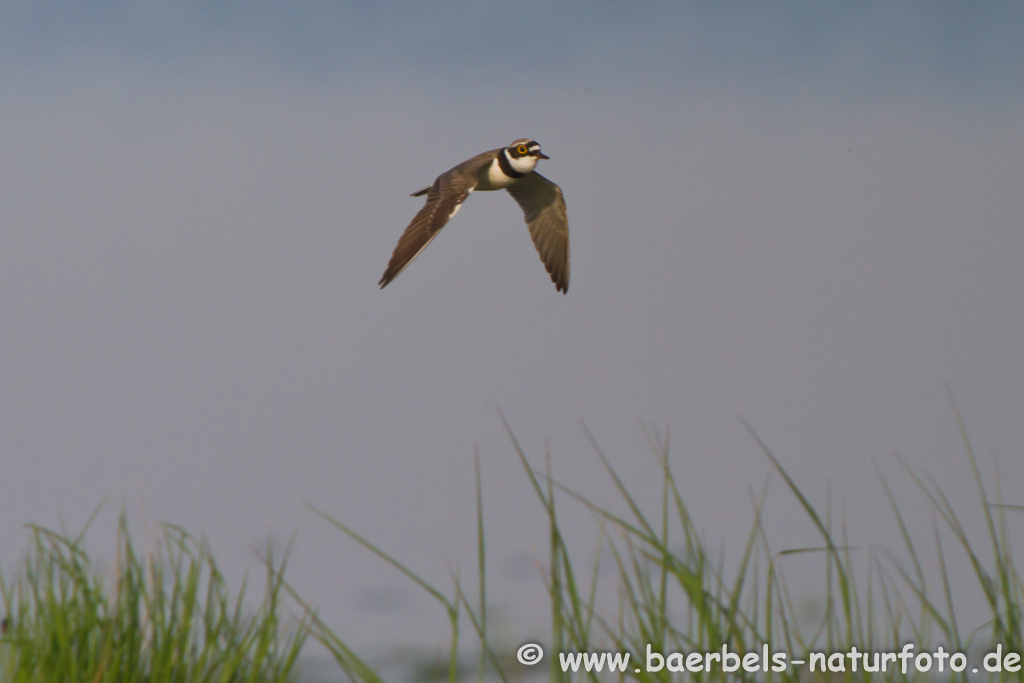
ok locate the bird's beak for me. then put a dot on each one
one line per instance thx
(542, 155)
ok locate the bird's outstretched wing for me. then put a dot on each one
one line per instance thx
(544, 209)
(443, 200)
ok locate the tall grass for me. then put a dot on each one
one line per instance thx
(165, 616)
(674, 595)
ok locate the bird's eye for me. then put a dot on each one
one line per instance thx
(522, 149)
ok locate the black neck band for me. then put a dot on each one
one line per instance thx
(506, 165)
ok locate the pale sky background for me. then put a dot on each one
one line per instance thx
(810, 216)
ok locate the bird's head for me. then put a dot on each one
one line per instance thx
(523, 154)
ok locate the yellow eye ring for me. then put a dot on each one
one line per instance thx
(522, 149)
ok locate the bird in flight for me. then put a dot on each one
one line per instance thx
(506, 168)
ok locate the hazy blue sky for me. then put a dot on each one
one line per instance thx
(808, 215)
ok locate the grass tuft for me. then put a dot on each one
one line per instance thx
(164, 616)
